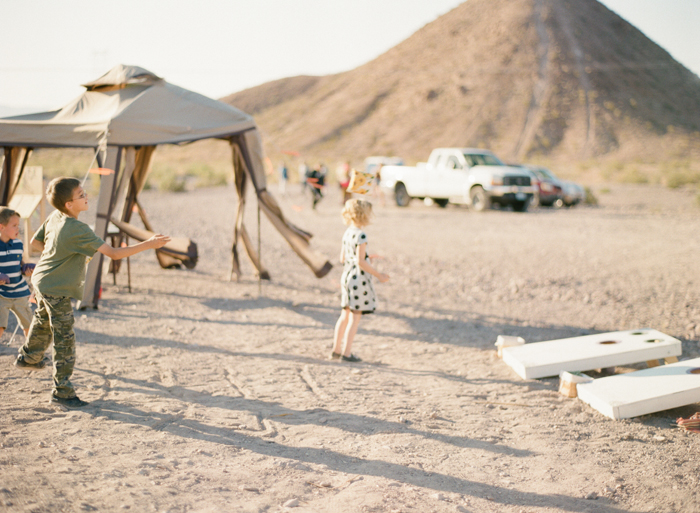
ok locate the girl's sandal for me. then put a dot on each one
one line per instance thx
(351, 358)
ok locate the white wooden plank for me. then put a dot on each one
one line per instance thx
(25, 204)
(624, 396)
(549, 358)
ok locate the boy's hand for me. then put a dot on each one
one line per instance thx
(4, 278)
(28, 269)
(158, 241)
(383, 277)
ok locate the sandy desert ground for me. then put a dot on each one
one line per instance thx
(206, 396)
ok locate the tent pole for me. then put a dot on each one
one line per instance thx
(259, 255)
(105, 203)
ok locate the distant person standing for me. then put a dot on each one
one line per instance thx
(283, 177)
(303, 175)
(343, 175)
(316, 180)
(378, 185)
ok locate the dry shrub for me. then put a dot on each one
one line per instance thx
(72, 162)
(172, 183)
(632, 174)
(172, 178)
(206, 176)
(590, 198)
(681, 178)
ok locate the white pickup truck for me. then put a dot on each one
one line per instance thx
(460, 175)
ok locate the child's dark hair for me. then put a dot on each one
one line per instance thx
(6, 213)
(60, 191)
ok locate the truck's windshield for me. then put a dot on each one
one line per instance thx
(479, 159)
(546, 173)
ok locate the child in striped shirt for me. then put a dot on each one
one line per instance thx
(14, 291)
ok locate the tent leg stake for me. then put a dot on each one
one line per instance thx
(128, 267)
(14, 333)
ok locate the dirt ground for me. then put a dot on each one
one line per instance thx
(207, 395)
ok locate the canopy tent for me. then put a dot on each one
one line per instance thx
(124, 115)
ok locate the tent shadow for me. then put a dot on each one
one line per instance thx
(477, 331)
(317, 416)
(462, 329)
(177, 425)
(101, 339)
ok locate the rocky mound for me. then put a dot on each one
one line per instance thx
(526, 78)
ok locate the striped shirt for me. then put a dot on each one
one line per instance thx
(11, 265)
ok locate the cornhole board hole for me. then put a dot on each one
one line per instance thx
(645, 391)
(543, 359)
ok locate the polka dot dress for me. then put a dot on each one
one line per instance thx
(356, 284)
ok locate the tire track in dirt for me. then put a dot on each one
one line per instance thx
(311, 383)
(236, 384)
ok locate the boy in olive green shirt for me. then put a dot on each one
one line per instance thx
(66, 244)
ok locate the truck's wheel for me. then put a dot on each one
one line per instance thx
(401, 195)
(479, 198)
(441, 202)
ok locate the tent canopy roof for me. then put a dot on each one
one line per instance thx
(127, 106)
(122, 75)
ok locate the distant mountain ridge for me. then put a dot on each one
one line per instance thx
(526, 78)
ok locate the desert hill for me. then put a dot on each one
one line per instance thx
(556, 79)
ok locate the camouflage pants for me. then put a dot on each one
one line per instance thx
(53, 320)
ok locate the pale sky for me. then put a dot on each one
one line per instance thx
(217, 47)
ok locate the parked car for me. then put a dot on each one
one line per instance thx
(549, 190)
(372, 163)
(572, 193)
(460, 175)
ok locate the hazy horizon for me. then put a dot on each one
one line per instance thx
(65, 44)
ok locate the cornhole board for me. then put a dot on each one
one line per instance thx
(542, 359)
(624, 396)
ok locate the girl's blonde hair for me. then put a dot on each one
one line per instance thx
(357, 211)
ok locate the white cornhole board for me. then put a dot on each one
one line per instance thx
(542, 359)
(645, 391)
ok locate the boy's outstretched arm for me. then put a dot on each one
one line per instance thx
(155, 242)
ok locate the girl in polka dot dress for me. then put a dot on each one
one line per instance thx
(356, 283)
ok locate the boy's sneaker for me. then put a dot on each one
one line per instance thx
(70, 402)
(22, 364)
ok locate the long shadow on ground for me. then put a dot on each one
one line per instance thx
(197, 430)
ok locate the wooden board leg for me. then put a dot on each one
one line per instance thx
(671, 359)
(653, 363)
(567, 388)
